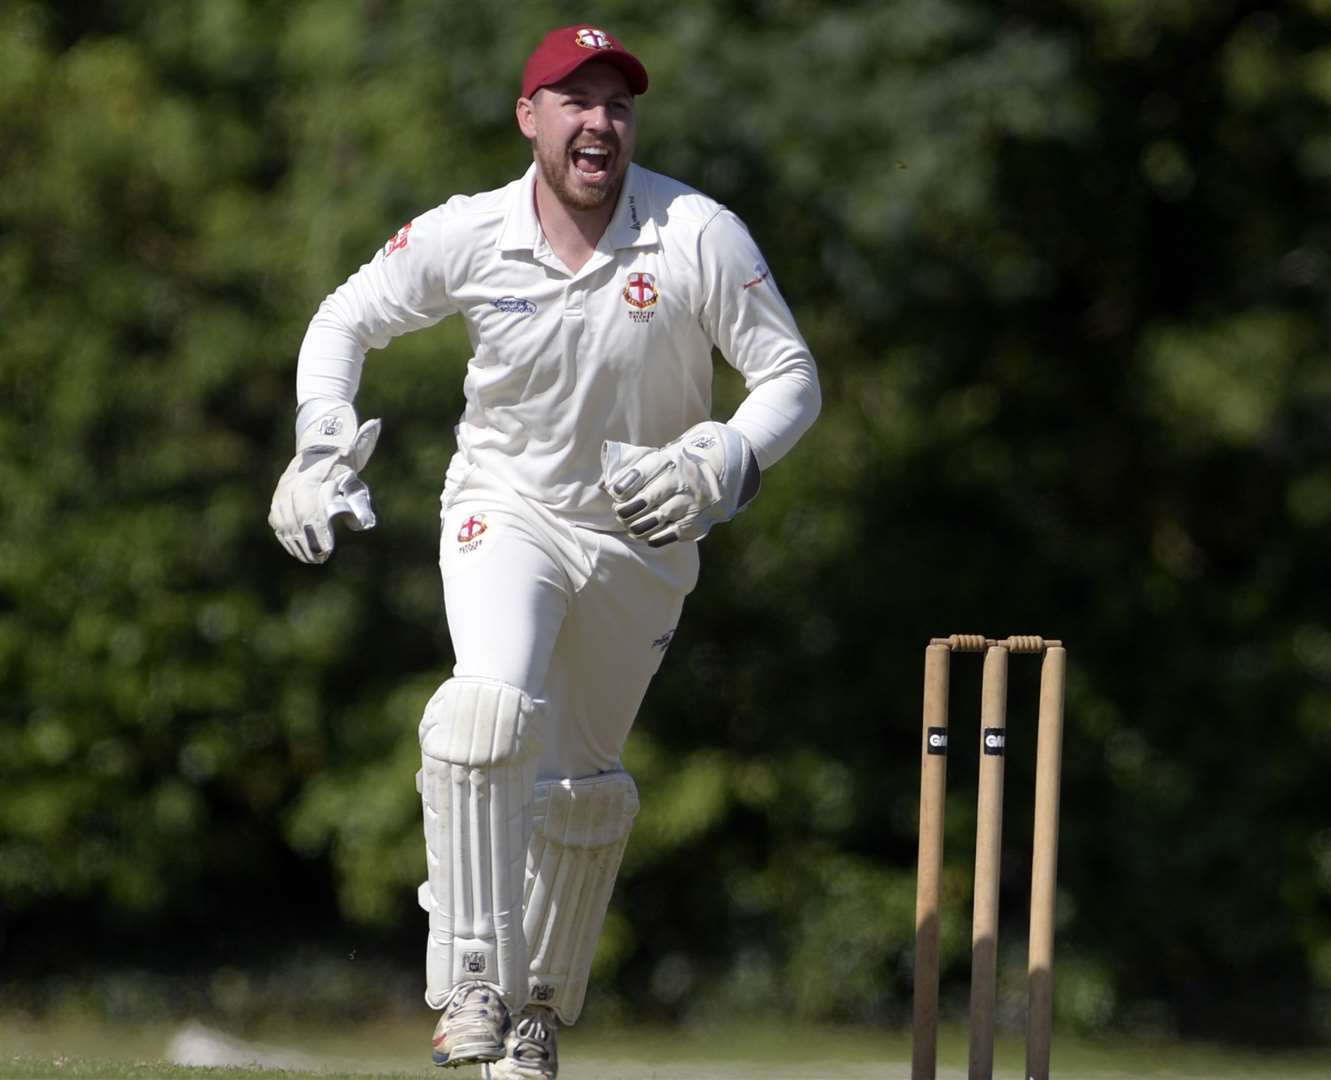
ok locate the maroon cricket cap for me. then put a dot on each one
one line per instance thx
(561, 52)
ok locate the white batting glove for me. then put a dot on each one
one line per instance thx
(322, 482)
(678, 492)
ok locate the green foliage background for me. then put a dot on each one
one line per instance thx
(1064, 265)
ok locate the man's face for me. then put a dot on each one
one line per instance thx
(582, 132)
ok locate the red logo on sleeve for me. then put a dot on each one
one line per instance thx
(761, 274)
(398, 240)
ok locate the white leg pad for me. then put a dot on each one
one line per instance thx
(479, 752)
(581, 829)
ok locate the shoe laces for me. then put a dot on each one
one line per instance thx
(470, 1002)
(533, 1038)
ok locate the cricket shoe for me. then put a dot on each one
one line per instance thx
(473, 1026)
(529, 1051)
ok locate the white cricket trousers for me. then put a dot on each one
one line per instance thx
(577, 618)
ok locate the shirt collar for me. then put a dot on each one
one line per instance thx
(633, 223)
(522, 230)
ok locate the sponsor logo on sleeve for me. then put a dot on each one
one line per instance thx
(398, 240)
(663, 642)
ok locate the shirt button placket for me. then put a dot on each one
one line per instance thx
(573, 297)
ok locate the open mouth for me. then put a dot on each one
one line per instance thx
(591, 163)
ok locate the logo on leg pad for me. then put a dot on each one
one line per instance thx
(473, 963)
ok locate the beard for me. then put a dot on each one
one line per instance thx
(563, 178)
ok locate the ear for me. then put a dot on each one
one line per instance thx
(526, 111)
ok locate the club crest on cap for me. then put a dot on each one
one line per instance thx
(565, 49)
(591, 38)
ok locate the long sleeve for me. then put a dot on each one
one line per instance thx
(401, 289)
(750, 323)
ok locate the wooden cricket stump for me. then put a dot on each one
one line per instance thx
(988, 851)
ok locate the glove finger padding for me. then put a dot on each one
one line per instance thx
(674, 507)
(680, 491)
(626, 469)
(321, 482)
(297, 519)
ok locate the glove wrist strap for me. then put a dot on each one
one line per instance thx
(333, 430)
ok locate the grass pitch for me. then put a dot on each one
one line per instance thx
(82, 1049)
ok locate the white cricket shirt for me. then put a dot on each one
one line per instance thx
(620, 350)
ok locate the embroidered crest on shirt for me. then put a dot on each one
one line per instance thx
(469, 536)
(398, 240)
(641, 294)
